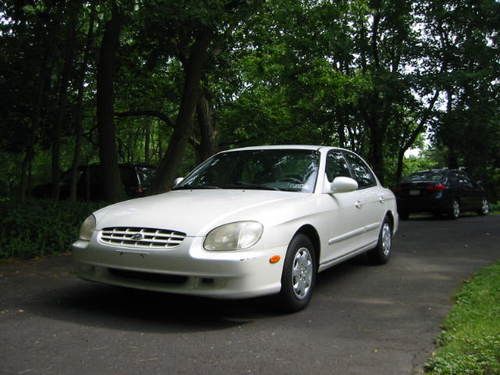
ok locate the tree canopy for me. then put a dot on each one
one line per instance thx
(169, 83)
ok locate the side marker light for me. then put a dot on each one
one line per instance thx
(274, 259)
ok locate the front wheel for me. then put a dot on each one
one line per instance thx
(299, 274)
(382, 252)
(454, 210)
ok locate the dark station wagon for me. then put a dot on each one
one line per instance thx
(440, 191)
(136, 179)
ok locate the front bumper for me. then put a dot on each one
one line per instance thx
(185, 269)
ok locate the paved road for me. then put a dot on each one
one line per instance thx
(362, 319)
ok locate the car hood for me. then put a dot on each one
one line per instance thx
(195, 212)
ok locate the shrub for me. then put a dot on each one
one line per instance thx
(40, 227)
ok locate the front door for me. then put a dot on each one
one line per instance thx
(370, 198)
(344, 212)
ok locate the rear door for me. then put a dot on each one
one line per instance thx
(469, 196)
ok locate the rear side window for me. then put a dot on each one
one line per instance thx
(336, 165)
(465, 180)
(361, 172)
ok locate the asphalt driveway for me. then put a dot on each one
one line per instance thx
(362, 319)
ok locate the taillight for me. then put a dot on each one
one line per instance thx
(436, 187)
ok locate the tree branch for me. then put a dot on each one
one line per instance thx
(147, 113)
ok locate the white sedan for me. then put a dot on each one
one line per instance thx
(246, 222)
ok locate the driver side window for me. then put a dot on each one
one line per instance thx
(336, 165)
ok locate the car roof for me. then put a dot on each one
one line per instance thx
(285, 147)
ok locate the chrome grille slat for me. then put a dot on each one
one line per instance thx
(106, 237)
(151, 238)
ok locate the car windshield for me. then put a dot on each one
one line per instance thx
(146, 174)
(424, 177)
(271, 169)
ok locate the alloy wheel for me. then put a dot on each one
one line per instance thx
(386, 239)
(302, 273)
(456, 209)
(485, 207)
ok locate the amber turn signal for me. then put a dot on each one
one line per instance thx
(274, 259)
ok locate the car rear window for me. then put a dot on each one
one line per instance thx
(146, 174)
(425, 176)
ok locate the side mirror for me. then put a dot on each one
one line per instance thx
(177, 181)
(341, 185)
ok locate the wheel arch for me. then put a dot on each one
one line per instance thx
(312, 233)
(390, 216)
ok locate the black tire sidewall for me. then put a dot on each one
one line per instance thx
(288, 300)
(376, 255)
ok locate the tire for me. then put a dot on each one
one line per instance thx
(485, 207)
(299, 275)
(382, 252)
(454, 210)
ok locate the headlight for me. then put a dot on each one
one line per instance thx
(87, 228)
(234, 236)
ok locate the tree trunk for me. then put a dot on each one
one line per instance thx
(147, 143)
(399, 167)
(24, 177)
(452, 157)
(207, 132)
(183, 127)
(376, 152)
(79, 106)
(112, 187)
(62, 97)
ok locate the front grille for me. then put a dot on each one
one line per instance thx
(147, 276)
(149, 238)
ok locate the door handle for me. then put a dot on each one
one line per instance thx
(357, 204)
(381, 198)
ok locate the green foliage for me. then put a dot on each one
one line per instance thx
(278, 72)
(37, 228)
(470, 340)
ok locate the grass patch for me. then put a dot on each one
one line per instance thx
(470, 340)
(40, 227)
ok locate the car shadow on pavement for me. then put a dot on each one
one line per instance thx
(137, 310)
(99, 305)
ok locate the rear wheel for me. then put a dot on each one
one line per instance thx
(299, 274)
(454, 210)
(382, 252)
(485, 207)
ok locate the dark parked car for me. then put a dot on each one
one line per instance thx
(440, 191)
(136, 179)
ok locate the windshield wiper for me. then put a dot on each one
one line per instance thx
(244, 185)
(195, 187)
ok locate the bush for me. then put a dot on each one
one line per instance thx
(40, 227)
